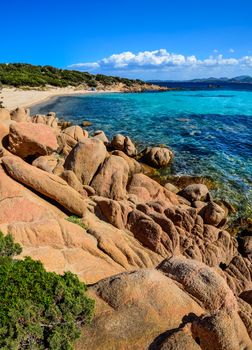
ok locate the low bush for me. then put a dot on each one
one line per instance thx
(38, 309)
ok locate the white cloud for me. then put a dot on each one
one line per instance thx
(161, 61)
(231, 50)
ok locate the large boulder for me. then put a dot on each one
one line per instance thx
(202, 282)
(146, 190)
(20, 114)
(212, 214)
(157, 157)
(70, 136)
(124, 143)
(100, 135)
(46, 163)
(49, 120)
(47, 184)
(85, 159)
(28, 139)
(111, 180)
(134, 166)
(194, 192)
(132, 309)
(4, 114)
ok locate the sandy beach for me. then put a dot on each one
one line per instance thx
(13, 97)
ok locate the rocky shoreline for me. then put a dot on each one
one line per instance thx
(163, 270)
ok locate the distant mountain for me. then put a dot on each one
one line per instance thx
(240, 79)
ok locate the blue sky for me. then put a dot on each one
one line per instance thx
(146, 39)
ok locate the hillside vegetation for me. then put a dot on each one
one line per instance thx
(20, 74)
(38, 309)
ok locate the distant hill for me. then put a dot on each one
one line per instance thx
(240, 79)
(21, 74)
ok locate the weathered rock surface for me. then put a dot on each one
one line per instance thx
(70, 136)
(49, 120)
(147, 190)
(28, 139)
(85, 159)
(157, 157)
(132, 309)
(4, 114)
(20, 114)
(112, 178)
(100, 135)
(46, 163)
(148, 309)
(124, 144)
(212, 214)
(194, 192)
(134, 166)
(47, 184)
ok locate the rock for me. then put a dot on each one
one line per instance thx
(114, 212)
(202, 282)
(198, 204)
(170, 187)
(47, 184)
(90, 190)
(132, 309)
(70, 136)
(194, 192)
(20, 114)
(100, 135)
(245, 246)
(247, 296)
(134, 166)
(157, 157)
(19, 204)
(28, 139)
(63, 124)
(212, 214)
(85, 159)
(145, 230)
(124, 144)
(4, 114)
(222, 331)
(148, 190)
(111, 180)
(70, 177)
(49, 120)
(177, 340)
(46, 163)
(86, 123)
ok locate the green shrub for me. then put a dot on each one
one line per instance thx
(38, 309)
(76, 220)
(21, 74)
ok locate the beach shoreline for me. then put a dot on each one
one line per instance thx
(14, 97)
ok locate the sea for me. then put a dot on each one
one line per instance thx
(209, 128)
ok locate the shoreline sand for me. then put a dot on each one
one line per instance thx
(14, 97)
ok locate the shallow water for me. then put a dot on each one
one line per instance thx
(210, 131)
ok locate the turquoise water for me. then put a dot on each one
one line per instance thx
(210, 131)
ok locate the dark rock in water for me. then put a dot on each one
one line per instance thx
(86, 123)
(194, 192)
(157, 157)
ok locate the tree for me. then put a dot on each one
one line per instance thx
(38, 309)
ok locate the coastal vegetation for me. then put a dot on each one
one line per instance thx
(38, 309)
(21, 74)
